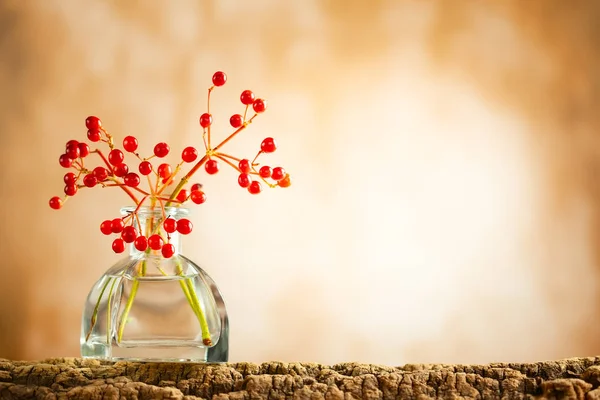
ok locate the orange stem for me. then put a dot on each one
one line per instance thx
(139, 205)
(208, 111)
(228, 162)
(199, 164)
(125, 189)
(103, 158)
(228, 156)
(257, 154)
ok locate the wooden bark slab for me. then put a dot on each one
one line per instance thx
(72, 378)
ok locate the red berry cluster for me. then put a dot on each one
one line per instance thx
(277, 175)
(129, 234)
(115, 171)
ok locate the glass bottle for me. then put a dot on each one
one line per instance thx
(148, 307)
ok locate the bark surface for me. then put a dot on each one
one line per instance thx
(73, 378)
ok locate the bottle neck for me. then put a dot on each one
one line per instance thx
(149, 223)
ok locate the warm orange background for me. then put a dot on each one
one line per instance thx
(446, 195)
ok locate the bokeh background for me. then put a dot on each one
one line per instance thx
(445, 160)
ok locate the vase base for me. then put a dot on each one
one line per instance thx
(164, 354)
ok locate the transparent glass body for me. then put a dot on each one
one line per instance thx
(147, 307)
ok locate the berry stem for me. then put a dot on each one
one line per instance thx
(208, 111)
(201, 318)
(185, 180)
(122, 185)
(228, 156)
(109, 138)
(192, 296)
(167, 199)
(238, 130)
(204, 139)
(95, 313)
(219, 156)
(99, 152)
(187, 286)
(108, 314)
(170, 179)
(134, 289)
(199, 164)
(255, 158)
(156, 183)
(142, 191)
(125, 189)
(152, 191)
(139, 205)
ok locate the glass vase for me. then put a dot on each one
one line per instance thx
(148, 307)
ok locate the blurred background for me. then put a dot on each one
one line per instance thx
(445, 162)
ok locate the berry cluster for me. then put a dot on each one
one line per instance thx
(115, 171)
(129, 234)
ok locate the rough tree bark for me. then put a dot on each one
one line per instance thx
(71, 378)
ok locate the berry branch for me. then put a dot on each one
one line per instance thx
(115, 172)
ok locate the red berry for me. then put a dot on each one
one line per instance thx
(189, 154)
(198, 196)
(93, 135)
(259, 105)
(121, 170)
(65, 161)
(196, 186)
(278, 173)
(70, 143)
(101, 173)
(244, 165)
(236, 120)
(106, 227)
(265, 171)
(268, 145)
(285, 182)
(90, 180)
(117, 225)
(141, 243)
(132, 179)
(55, 203)
(219, 78)
(155, 242)
(118, 245)
(70, 190)
(205, 120)
(182, 195)
(130, 144)
(69, 178)
(116, 157)
(129, 234)
(170, 225)
(212, 167)
(164, 171)
(247, 97)
(161, 150)
(255, 187)
(84, 149)
(72, 150)
(145, 168)
(93, 123)
(244, 180)
(168, 250)
(184, 226)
